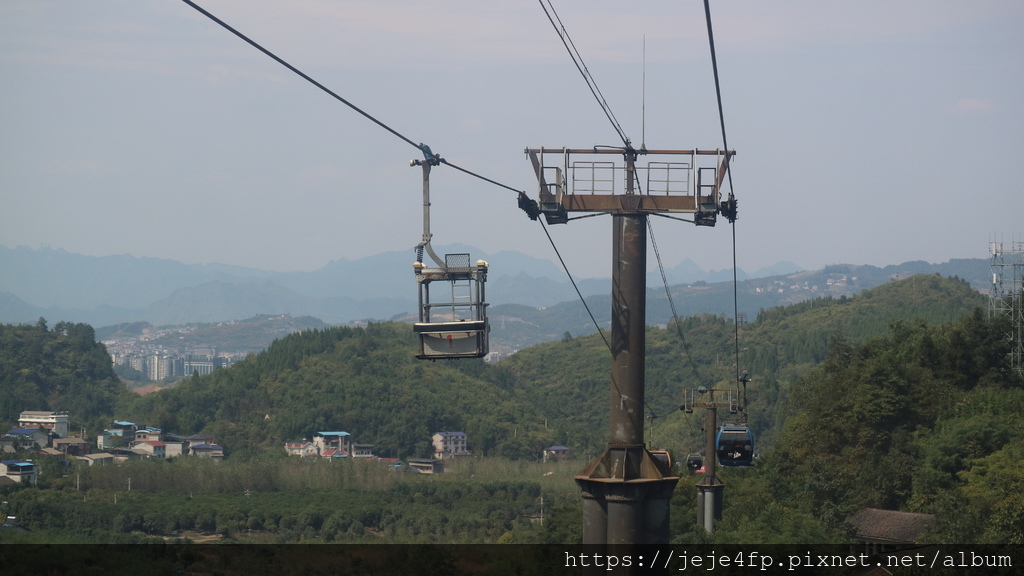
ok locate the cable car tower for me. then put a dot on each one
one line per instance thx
(456, 325)
(729, 445)
(625, 490)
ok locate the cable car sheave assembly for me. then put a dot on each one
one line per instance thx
(455, 327)
(679, 186)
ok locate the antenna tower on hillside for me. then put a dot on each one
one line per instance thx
(1006, 297)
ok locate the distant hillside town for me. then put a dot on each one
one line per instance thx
(166, 364)
(153, 359)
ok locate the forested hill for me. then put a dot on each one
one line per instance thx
(898, 398)
(568, 380)
(924, 419)
(63, 368)
(368, 382)
(362, 380)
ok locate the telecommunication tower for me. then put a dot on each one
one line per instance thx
(1006, 298)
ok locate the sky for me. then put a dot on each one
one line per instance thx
(870, 132)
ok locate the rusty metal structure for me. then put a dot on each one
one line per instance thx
(626, 490)
(1006, 297)
(710, 489)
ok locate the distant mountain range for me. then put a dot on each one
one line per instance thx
(108, 290)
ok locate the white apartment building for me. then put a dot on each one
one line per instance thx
(55, 422)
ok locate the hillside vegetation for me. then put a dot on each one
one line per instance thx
(368, 382)
(63, 369)
(899, 397)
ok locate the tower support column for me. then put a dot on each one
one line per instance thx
(626, 492)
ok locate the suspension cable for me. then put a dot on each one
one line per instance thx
(728, 172)
(577, 288)
(718, 91)
(422, 147)
(578, 61)
(672, 305)
(301, 74)
(474, 174)
(614, 383)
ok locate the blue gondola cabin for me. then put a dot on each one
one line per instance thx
(735, 446)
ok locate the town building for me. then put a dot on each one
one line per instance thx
(333, 454)
(27, 438)
(53, 422)
(100, 458)
(19, 471)
(333, 441)
(301, 448)
(152, 448)
(449, 445)
(886, 530)
(426, 465)
(201, 364)
(148, 434)
(555, 453)
(72, 446)
(214, 451)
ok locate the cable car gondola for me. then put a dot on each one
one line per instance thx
(455, 327)
(694, 462)
(735, 446)
(452, 323)
(662, 456)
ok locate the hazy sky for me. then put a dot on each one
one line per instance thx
(868, 132)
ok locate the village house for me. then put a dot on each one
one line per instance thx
(333, 440)
(449, 445)
(331, 445)
(124, 454)
(72, 446)
(201, 439)
(334, 454)
(555, 453)
(120, 434)
(108, 439)
(51, 422)
(426, 465)
(151, 448)
(214, 451)
(28, 438)
(362, 451)
(53, 453)
(148, 434)
(125, 428)
(887, 530)
(301, 448)
(19, 471)
(98, 458)
(393, 463)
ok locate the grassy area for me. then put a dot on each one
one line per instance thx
(288, 500)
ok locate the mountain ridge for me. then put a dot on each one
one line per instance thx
(110, 290)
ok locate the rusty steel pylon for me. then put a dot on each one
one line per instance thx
(626, 491)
